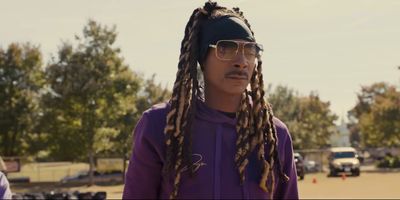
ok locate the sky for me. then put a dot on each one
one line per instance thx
(332, 47)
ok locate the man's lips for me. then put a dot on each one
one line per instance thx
(237, 77)
(240, 75)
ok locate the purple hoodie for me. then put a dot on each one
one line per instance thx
(5, 192)
(214, 148)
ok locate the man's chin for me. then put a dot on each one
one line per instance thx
(235, 90)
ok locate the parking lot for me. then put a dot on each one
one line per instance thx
(367, 185)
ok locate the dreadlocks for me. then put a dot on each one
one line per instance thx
(255, 125)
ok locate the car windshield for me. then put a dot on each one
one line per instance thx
(348, 154)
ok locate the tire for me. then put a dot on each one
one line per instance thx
(356, 172)
(332, 173)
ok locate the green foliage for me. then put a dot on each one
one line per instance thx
(308, 118)
(376, 116)
(389, 162)
(88, 90)
(93, 100)
(21, 78)
(149, 94)
(86, 102)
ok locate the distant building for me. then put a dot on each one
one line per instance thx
(342, 138)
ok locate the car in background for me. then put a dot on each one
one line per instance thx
(82, 177)
(360, 157)
(343, 160)
(311, 166)
(298, 159)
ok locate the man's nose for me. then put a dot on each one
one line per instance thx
(240, 61)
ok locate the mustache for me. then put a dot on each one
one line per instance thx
(237, 73)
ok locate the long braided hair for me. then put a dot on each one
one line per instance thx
(254, 126)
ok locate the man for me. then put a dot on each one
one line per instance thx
(216, 139)
(5, 192)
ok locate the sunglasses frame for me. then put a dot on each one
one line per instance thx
(239, 44)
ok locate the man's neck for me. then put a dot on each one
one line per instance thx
(222, 101)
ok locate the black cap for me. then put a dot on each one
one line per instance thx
(223, 28)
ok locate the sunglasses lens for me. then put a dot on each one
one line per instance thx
(227, 50)
(252, 50)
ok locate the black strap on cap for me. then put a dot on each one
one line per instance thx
(223, 28)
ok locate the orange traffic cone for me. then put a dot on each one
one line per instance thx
(314, 180)
(343, 176)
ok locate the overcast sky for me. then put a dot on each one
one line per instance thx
(329, 46)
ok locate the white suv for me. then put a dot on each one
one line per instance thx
(343, 160)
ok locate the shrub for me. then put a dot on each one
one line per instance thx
(389, 162)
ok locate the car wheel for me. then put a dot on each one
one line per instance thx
(332, 173)
(357, 172)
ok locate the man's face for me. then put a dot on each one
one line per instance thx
(228, 76)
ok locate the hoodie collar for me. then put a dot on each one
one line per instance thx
(209, 114)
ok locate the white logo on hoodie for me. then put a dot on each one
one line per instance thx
(197, 158)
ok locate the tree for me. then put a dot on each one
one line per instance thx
(89, 89)
(21, 78)
(376, 116)
(314, 124)
(309, 119)
(285, 102)
(150, 94)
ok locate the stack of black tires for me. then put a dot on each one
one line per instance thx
(61, 195)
